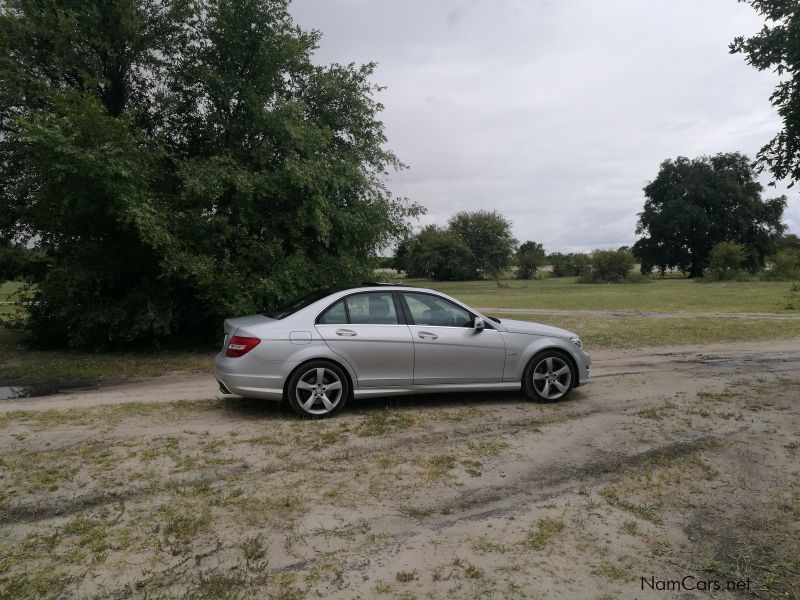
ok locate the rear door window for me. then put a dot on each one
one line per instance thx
(372, 308)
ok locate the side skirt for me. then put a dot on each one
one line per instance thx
(436, 389)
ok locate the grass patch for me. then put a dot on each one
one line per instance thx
(415, 512)
(180, 529)
(656, 412)
(631, 527)
(483, 545)
(486, 448)
(645, 512)
(440, 465)
(546, 530)
(612, 572)
(108, 415)
(406, 576)
(254, 548)
(383, 422)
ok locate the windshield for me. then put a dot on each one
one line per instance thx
(291, 307)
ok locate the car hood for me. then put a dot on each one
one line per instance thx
(535, 328)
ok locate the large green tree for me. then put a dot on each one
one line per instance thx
(473, 245)
(180, 161)
(529, 258)
(777, 48)
(488, 235)
(437, 253)
(694, 204)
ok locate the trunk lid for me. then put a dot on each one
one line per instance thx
(231, 326)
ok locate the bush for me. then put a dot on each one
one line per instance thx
(473, 244)
(19, 262)
(726, 261)
(384, 262)
(439, 254)
(569, 265)
(609, 266)
(785, 265)
(530, 257)
(635, 277)
(793, 297)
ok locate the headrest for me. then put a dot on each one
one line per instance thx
(378, 307)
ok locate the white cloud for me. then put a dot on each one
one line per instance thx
(554, 113)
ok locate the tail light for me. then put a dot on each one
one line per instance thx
(239, 346)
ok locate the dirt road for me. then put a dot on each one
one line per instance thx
(676, 465)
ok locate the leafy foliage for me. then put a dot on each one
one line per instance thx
(785, 265)
(180, 161)
(789, 241)
(439, 254)
(609, 266)
(775, 48)
(573, 264)
(726, 259)
(694, 204)
(488, 236)
(473, 245)
(18, 262)
(530, 256)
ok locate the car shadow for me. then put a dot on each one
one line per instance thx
(254, 408)
(423, 401)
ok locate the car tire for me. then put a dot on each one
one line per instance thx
(548, 377)
(318, 389)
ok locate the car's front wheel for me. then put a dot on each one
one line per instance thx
(317, 390)
(548, 377)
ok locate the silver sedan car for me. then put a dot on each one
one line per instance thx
(381, 340)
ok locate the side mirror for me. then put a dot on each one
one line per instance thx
(479, 324)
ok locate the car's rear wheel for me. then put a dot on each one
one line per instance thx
(548, 377)
(317, 390)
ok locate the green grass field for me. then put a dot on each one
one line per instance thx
(638, 332)
(20, 364)
(7, 290)
(667, 295)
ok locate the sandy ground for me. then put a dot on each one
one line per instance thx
(673, 463)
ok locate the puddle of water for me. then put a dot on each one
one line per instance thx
(11, 392)
(14, 392)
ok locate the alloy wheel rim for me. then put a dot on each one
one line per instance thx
(552, 378)
(318, 391)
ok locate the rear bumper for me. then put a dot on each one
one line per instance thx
(235, 376)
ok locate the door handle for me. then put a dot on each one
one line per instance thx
(346, 332)
(427, 335)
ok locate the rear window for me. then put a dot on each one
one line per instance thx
(299, 303)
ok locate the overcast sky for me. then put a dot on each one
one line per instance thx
(556, 113)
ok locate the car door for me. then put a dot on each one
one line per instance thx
(365, 330)
(447, 348)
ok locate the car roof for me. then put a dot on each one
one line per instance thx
(384, 287)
